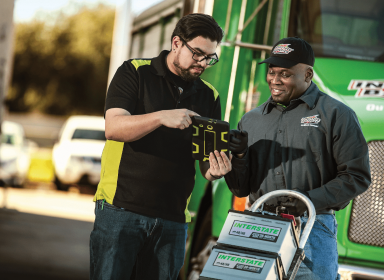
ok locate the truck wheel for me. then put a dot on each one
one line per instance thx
(59, 185)
(203, 247)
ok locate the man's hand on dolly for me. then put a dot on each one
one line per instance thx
(294, 205)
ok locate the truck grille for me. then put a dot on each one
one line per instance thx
(367, 219)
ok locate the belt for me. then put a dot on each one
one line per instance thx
(325, 212)
(100, 203)
(272, 209)
(321, 212)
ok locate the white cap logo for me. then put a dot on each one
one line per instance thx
(282, 49)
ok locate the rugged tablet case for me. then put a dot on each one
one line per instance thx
(209, 135)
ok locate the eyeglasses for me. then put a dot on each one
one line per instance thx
(199, 57)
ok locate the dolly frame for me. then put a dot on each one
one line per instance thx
(299, 255)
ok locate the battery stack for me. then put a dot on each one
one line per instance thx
(252, 246)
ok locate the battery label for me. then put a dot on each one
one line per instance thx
(239, 262)
(255, 231)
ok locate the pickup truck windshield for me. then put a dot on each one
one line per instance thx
(7, 139)
(87, 134)
(352, 29)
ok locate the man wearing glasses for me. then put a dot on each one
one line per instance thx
(148, 171)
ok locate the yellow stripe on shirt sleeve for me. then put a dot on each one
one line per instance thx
(140, 62)
(215, 92)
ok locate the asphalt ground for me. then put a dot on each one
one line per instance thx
(44, 233)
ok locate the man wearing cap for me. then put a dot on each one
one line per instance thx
(301, 139)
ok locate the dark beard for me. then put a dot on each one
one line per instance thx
(184, 73)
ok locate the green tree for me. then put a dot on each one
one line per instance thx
(62, 68)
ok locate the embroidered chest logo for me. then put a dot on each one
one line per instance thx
(311, 121)
(282, 49)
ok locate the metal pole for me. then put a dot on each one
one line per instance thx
(234, 64)
(6, 43)
(248, 103)
(228, 18)
(121, 42)
(267, 26)
(255, 47)
(240, 30)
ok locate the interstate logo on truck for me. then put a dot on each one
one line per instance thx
(365, 88)
(239, 262)
(255, 231)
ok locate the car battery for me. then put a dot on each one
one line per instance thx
(263, 233)
(209, 135)
(228, 264)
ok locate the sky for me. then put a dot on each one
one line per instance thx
(27, 10)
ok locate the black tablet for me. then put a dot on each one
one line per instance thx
(209, 135)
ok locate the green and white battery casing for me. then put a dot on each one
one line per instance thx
(268, 234)
(228, 264)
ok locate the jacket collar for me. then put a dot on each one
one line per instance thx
(310, 97)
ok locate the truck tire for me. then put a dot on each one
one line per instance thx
(59, 185)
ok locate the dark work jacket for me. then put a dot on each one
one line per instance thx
(314, 145)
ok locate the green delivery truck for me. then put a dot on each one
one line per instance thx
(347, 37)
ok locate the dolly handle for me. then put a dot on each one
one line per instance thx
(306, 200)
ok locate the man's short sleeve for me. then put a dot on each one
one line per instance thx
(123, 90)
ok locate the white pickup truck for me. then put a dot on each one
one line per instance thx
(77, 154)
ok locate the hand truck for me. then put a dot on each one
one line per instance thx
(259, 245)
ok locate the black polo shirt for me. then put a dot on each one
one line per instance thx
(155, 175)
(315, 145)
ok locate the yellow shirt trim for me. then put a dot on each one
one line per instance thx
(110, 163)
(140, 62)
(215, 92)
(186, 211)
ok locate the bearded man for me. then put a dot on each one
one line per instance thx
(148, 172)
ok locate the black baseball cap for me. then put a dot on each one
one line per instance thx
(290, 51)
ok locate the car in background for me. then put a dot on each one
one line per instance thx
(14, 155)
(77, 155)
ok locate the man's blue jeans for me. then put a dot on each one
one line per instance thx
(120, 239)
(321, 256)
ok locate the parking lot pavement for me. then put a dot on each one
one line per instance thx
(48, 202)
(44, 234)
